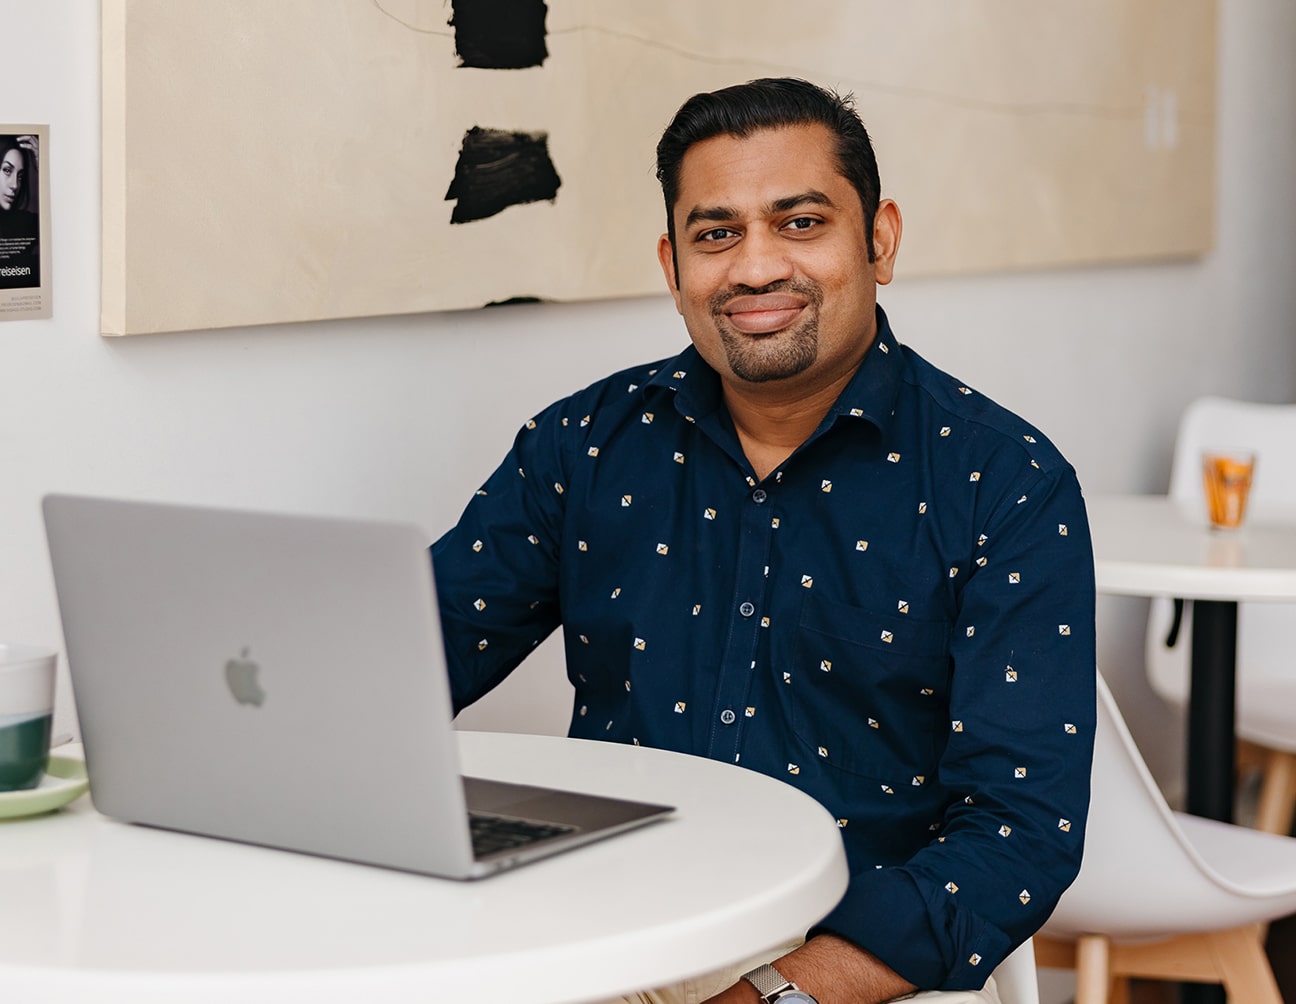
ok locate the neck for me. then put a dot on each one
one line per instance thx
(773, 420)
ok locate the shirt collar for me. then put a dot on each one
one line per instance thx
(696, 385)
(870, 395)
(872, 391)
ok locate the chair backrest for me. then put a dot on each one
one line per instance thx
(1263, 628)
(1016, 978)
(1140, 877)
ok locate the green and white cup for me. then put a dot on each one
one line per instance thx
(26, 713)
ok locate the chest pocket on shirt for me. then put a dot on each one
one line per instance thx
(870, 691)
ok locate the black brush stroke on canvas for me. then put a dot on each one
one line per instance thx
(499, 34)
(513, 301)
(497, 169)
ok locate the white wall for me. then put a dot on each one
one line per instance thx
(403, 417)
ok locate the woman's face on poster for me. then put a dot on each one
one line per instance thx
(13, 169)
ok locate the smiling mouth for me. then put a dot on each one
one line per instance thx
(763, 314)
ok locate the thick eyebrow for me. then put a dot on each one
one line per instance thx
(727, 214)
(810, 198)
(710, 214)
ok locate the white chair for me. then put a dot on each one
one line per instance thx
(1161, 894)
(1016, 978)
(1266, 661)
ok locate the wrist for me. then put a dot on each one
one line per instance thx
(775, 988)
(830, 970)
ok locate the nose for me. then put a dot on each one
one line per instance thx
(760, 259)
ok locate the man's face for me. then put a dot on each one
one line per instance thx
(774, 280)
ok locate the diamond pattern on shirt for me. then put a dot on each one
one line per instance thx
(885, 600)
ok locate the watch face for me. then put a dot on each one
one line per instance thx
(795, 997)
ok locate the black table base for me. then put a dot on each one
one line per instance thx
(1212, 749)
(1212, 710)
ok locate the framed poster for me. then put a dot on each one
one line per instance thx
(25, 273)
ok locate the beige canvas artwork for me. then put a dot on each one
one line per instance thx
(269, 162)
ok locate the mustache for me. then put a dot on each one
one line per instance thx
(801, 287)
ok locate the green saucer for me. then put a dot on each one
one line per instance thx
(64, 780)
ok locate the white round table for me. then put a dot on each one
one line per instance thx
(94, 909)
(1155, 546)
(1152, 545)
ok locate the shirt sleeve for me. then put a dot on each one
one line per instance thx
(497, 569)
(1019, 750)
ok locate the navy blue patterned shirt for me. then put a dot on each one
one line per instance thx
(899, 620)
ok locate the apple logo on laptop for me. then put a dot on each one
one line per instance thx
(241, 675)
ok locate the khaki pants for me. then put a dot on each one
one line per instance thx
(700, 988)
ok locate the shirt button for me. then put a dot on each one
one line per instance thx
(728, 717)
(759, 496)
(747, 609)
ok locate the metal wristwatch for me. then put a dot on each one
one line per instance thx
(773, 986)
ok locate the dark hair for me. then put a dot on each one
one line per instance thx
(771, 103)
(8, 143)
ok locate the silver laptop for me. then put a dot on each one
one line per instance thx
(281, 680)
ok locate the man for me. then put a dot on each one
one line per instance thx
(799, 547)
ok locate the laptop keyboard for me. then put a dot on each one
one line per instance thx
(491, 834)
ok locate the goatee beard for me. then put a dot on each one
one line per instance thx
(779, 354)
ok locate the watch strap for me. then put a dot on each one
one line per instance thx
(771, 984)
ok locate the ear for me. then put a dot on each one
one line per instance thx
(886, 240)
(666, 256)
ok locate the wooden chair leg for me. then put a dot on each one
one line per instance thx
(1247, 976)
(1235, 958)
(1277, 794)
(1053, 953)
(1093, 969)
(1249, 756)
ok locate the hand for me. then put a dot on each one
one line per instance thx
(29, 143)
(834, 971)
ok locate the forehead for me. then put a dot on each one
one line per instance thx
(14, 157)
(764, 166)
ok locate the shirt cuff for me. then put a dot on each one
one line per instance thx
(925, 939)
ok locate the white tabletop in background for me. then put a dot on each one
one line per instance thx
(1148, 545)
(93, 909)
